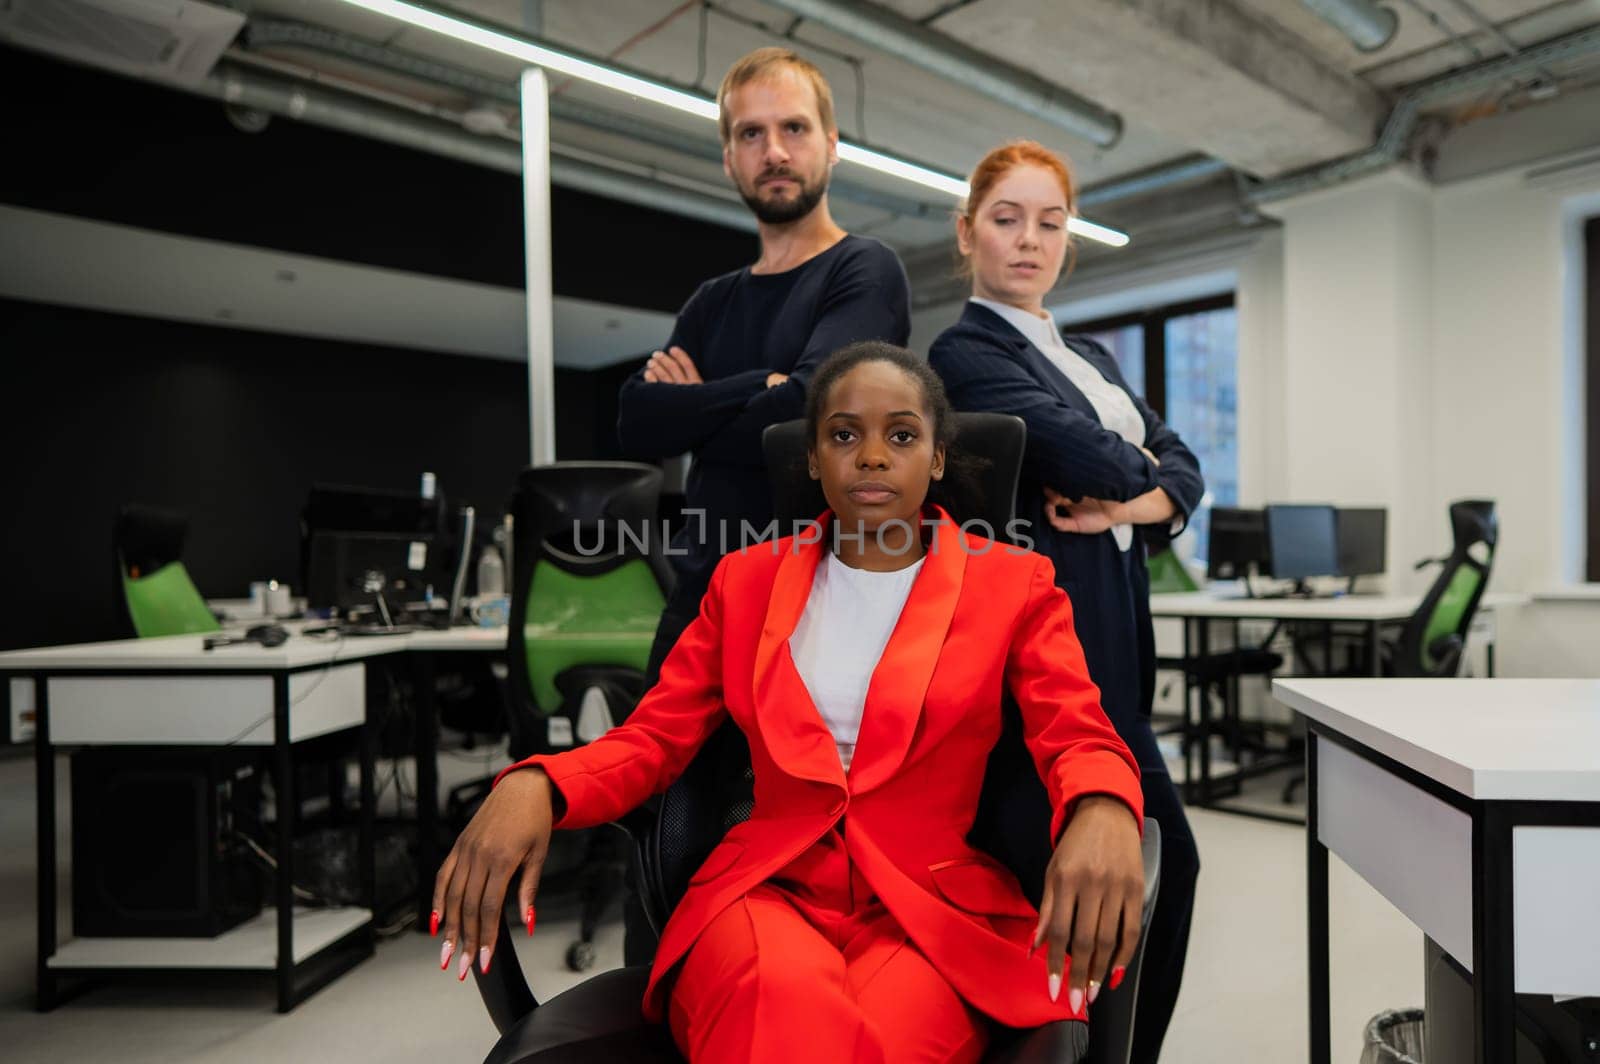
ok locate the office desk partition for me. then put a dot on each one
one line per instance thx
(173, 692)
(1474, 807)
(1370, 613)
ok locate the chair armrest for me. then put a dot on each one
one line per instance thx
(1446, 653)
(505, 990)
(1111, 1018)
(1062, 1042)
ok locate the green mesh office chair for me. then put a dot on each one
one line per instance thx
(1433, 638)
(157, 594)
(589, 581)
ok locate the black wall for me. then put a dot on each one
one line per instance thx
(99, 146)
(231, 426)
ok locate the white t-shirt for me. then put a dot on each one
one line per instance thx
(841, 635)
(1111, 404)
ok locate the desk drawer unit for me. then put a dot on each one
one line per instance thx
(209, 709)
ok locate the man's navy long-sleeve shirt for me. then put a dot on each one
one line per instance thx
(738, 329)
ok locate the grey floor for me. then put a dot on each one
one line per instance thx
(1244, 995)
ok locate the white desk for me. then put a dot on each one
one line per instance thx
(1227, 602)
(1474, 807)
(173, 692)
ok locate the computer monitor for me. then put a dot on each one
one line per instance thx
(366, 547)
(1362, 534)
(1302, 541)
(1238, 541)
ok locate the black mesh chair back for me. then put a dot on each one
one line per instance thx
(1433, 638)
(588, 519)
(983, 499)
(148, 537)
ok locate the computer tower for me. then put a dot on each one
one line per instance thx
(156, 846)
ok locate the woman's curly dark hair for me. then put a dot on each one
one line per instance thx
(960, 470)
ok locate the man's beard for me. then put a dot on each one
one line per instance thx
(781, 212)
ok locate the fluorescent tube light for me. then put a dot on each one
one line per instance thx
(560, 62)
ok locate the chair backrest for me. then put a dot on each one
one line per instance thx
(1431, 640)
(157, 593)
(1167, 573)
(987, 494)
(714, 793)
(588, 584)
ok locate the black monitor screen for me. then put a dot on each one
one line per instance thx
(359, 541)
(1238, 539)
(1302, 541)
(1361, 541)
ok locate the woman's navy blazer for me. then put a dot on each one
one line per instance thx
(987, 365)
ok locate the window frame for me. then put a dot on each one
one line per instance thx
(1153, 321)
(1591, 287)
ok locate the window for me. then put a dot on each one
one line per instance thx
(1184, 360)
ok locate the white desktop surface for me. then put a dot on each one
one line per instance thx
(188, 652)
(1568, 593)
(1229, 601)
(1502, 740)
(299, 651)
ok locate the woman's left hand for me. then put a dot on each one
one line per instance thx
(1093, 899)
(1085, 517)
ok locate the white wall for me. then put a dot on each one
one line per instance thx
(1507, 365)
(1430, 352)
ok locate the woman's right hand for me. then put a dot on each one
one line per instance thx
(510, 832)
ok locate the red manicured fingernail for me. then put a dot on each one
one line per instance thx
(444, 954)
(483, 959)
(433, 922)
(1116, 977)
(529, 919)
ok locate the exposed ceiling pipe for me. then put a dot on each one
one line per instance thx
(349, 114)
(278, 33)
(1159, 179)
(1402, 121)
(1369, 25)
(961, 64)
(1546, 80)
(271, 33)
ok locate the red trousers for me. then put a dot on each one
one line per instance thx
(810, 966)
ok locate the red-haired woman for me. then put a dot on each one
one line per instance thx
(1098, 462)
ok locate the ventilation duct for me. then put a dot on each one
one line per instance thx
(164, 40)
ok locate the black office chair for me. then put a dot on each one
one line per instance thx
(600, 1019)
(1434, 637)
(588, 583)
(155, 593)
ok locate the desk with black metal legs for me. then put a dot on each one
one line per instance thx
(1198, 609)
(171, 692)
(1474, 807)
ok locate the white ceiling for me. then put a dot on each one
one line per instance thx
(1264, 85)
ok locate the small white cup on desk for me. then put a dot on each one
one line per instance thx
(258, 597)
(279, 602)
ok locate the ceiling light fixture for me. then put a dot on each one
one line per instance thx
(565, 63)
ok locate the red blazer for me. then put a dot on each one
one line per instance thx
(981, 616)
